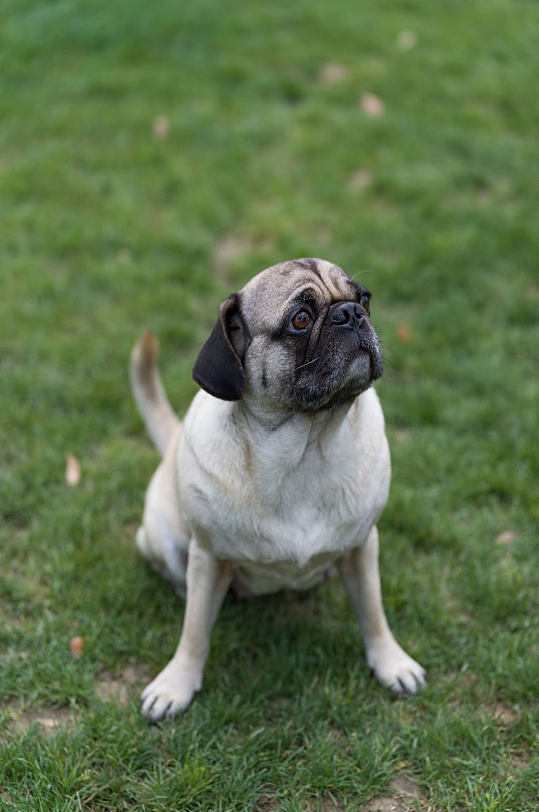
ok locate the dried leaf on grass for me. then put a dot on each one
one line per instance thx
(404, 334)
(372, 105)
(75, 646)
(73, 470)
(507, 537)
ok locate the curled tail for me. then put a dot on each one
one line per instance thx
(156, 411)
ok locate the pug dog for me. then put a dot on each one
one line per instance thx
(279, 470)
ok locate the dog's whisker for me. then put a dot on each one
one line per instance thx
(362, 274)
(307, 364)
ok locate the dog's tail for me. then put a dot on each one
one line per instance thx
(156, 411)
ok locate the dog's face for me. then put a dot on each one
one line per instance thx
(298, 336)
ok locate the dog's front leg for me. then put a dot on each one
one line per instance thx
(391, 665)
(173, 689)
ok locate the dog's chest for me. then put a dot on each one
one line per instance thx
(289, 516)
(288, 532)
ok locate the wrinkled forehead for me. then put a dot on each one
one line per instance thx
(270, 292)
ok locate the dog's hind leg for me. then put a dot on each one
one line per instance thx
(163, 538)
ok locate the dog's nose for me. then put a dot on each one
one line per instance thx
(348, 314)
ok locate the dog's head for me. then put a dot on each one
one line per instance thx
(297, 336)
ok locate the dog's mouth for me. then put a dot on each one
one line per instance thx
(370, 346)
(339, 371)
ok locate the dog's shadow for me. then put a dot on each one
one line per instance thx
(271, 648)
(277, 644)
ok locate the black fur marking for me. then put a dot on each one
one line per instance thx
(309, 264)
(308, 296)
(360, 290)
(219, 366)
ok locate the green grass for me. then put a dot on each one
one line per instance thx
(107, 229)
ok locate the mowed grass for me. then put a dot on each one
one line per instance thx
(111, 223)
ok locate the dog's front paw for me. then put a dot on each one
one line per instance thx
(394, 669)
(171, 691)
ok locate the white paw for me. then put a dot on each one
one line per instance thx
(171, 691)
(394, 669)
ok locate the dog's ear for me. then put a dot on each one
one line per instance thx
(219, 366)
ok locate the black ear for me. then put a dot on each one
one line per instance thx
(219, 366)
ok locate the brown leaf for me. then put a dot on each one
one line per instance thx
(404, 333)
(372, 105)
(75, 646)
(161, 127)
(73, 472)
(506, 537)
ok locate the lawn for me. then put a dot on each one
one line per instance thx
(153, 157)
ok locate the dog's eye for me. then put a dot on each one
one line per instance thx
(301, 320)
(364, 301)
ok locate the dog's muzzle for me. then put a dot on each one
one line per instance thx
(348, 315)
(351, 316)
